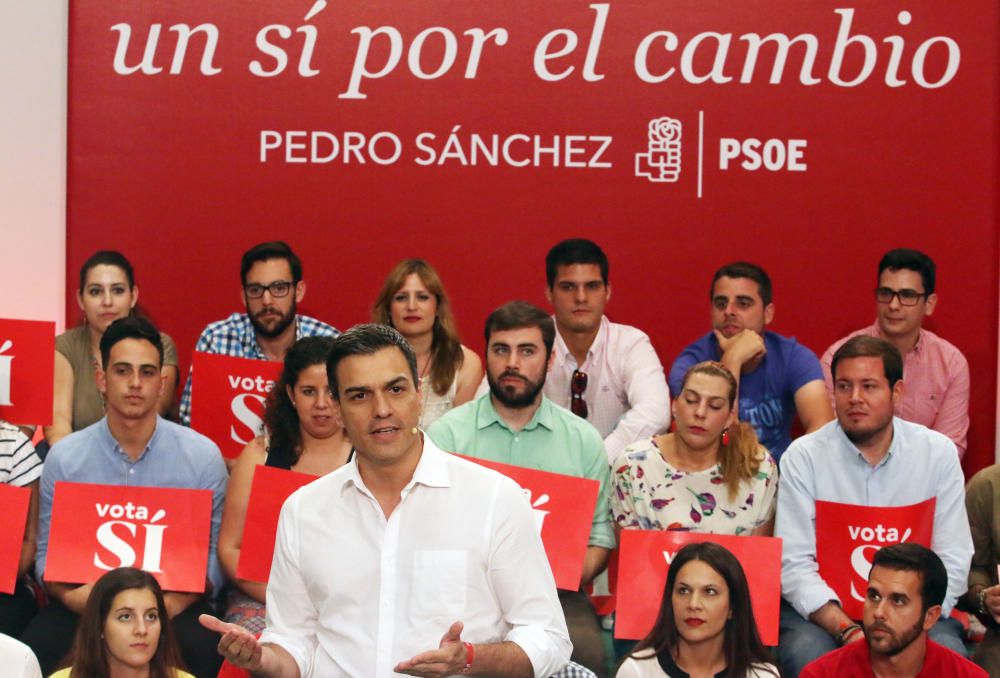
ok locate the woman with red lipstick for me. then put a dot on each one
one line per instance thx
(705, 627)
(413, 301)
(107, 292)
(302, 436)
(123, 632)
(709, 475)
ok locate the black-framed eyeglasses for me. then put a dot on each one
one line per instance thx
(279, 288)
(577, 387)
(907, 297)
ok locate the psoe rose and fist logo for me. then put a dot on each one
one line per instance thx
(661, 163)
(96, 528)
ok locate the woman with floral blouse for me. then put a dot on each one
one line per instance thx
(709, 475)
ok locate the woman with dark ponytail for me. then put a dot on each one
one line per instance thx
(709, 475)
(301, 434)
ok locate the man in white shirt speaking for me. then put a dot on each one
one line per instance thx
(406, 560)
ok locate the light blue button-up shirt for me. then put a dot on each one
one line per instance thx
(826, 466)
(175, 456)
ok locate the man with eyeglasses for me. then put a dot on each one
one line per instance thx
(608, 373)
(937, 374)
(778, 377)
(272, 288)
(515, 423)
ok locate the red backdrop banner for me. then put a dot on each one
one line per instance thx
(227, 398)
(810, 137)
(14, 508)
(268, 492)
(96, 528)
(644, 558)
(851, 536)
(563, 507)
(26, 370)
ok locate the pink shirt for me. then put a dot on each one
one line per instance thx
(936, 384)
(626, 394)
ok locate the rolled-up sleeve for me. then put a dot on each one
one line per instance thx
(520, 575)
(648, 398)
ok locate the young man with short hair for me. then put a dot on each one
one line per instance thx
(515, 423)
(131, 446)
(271, 277)
(866, 457)
(406, 560)
(605, 372)
(778, 377)
(906, 587)
(937, 374)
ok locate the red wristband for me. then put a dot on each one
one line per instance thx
(470, 654)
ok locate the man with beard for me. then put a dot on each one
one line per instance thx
(866, 457)
(514, 423)
(272, 288)
(906, 587)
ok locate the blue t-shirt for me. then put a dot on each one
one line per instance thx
(767, 395)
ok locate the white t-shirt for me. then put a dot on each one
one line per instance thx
(17, 659)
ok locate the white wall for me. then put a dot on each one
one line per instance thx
(33, 159)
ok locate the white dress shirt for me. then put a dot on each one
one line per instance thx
(627, 395)
(353, 594)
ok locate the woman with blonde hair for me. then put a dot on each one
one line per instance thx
(413, 300)
(709, 475)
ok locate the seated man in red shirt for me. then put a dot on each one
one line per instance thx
(905, 590)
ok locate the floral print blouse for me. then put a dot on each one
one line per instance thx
(650, 494)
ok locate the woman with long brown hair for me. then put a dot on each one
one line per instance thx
(705, 626)
(107, 292)
(709, 475)
(413, 300)
(124, 631)
(302, 435)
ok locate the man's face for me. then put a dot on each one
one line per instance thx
(516, 365)
(379, 406)
(132, 382)
(893, 617)
(862, 397)
(895, 319)
(736, 306)
(578, 296)
(271, 315)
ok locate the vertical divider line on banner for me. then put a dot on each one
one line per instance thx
(701, 148)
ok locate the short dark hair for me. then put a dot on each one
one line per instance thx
(911, 557)
(515, 315)
(367, 339)
(913, 260)
(575, 251)
(107, 258)
(863, 346)
(265, 251)
(744, 269)
(129, 328)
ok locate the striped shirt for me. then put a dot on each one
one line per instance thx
(19, 465)
(235, 336)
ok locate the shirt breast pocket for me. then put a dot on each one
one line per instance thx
(439, 585)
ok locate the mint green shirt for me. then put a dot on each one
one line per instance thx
(555, 440)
